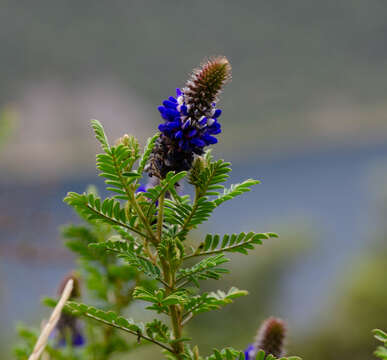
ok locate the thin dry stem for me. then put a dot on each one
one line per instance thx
(50, 326)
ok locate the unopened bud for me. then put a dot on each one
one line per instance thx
(197, 169)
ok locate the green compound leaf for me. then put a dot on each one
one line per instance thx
(231, 243)
(226, 354)
(207, 175)
(116, 163)
(113, 319)
(159, 331)
(211, 301)
(206, 269)
(107, 317)
(147, 151)
(100, 135)
(235, 190)
(381, 351)
(380, 335)
(165, 185)
(131, 254)
(186, 215)
(108, 211)
(159, 298)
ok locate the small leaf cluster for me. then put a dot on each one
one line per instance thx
(381, 351)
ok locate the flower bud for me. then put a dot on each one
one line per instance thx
(197, 169)
(131, 143)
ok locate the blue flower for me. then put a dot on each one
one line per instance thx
(141, 189)
(190, 131)
(249, 352)
(69, 327)
(190, 120)
(77, 339)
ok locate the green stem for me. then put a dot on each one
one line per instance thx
(174, 310)
(132, 199)
(160, 217)
(190, 216)
(139, 335)
(142, 217)
(170, 284)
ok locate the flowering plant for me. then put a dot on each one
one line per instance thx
(136, 245)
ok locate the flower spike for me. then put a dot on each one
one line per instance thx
(190, 119)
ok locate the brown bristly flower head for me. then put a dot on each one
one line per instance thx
(76, 292)
(271, 337)
(205, 84)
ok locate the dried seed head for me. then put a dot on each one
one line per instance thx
(271, 337)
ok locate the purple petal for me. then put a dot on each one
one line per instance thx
(171, 114)
(192, 133)
(163, 127)
(78, 339)
(203, 121)
(184, 110)
(172, 125)
(198, 142)
(217, 113)
(210, 139)
(169, 104)
(141, 188)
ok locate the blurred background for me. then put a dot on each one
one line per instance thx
(306, 113)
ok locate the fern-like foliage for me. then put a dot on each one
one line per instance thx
(226, 354)
(208, 268)
(150, 332)
(117, 161)
(211, 301)
(187, 215)
(147, 151)
(208, 177)
(108, 211)
(131, 254)
(235, 190)
(230, 243)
